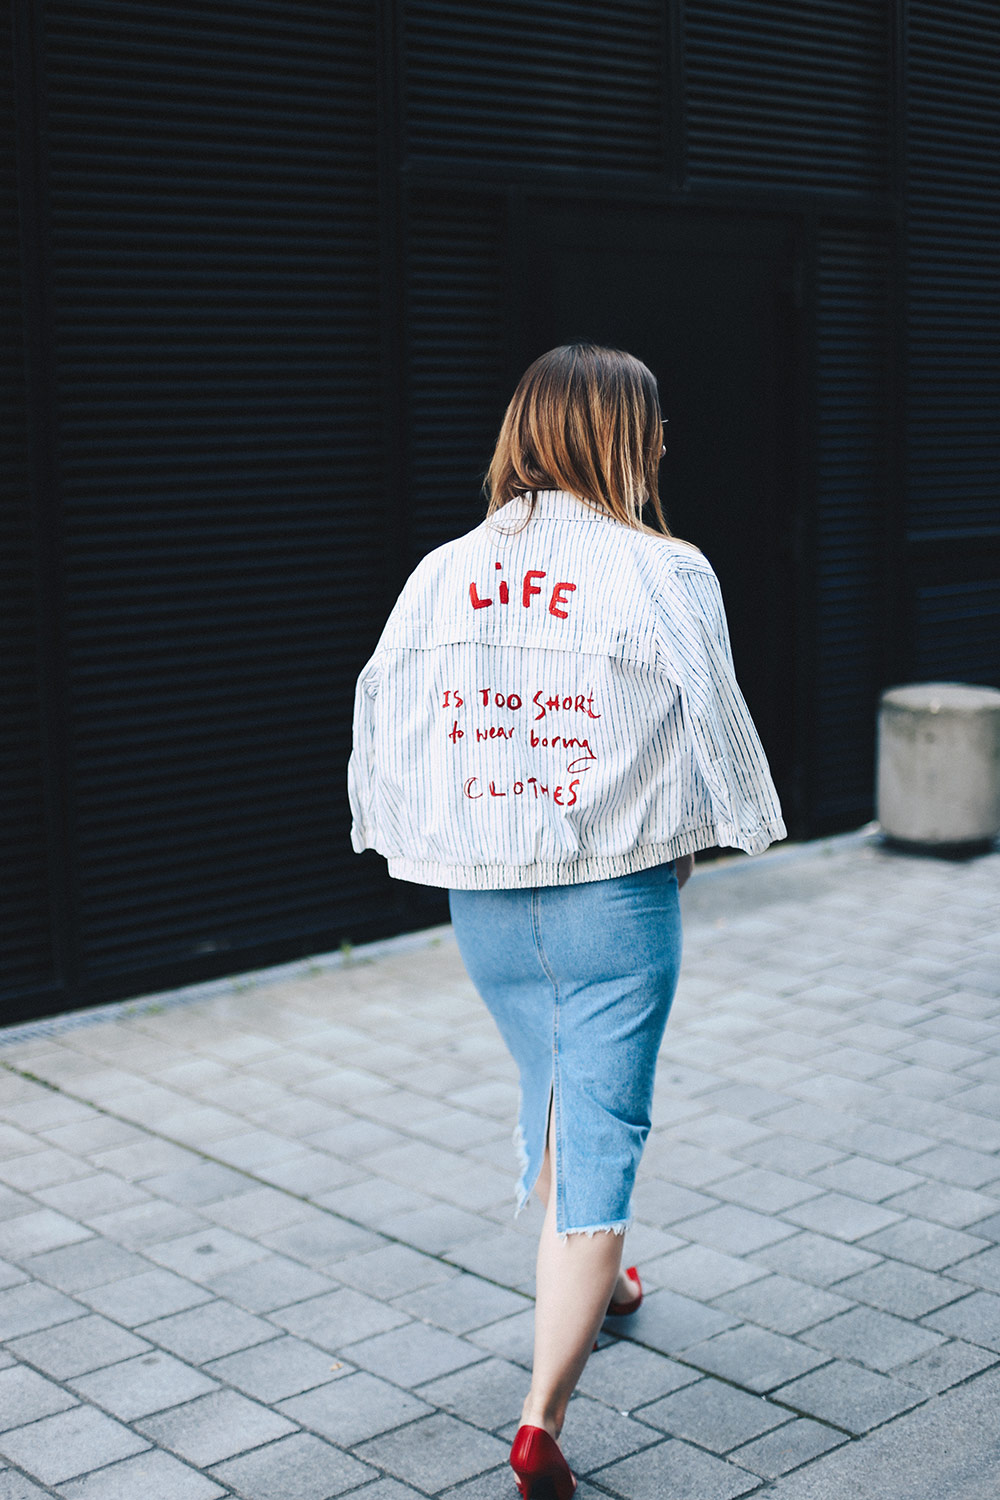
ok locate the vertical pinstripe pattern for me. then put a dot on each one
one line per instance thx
(552, 705)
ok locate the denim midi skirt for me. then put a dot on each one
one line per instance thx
(579, 980)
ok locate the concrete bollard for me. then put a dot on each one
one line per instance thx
(938, 783)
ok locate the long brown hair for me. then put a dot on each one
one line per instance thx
(584, 419)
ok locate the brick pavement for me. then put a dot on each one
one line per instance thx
(256, 1238)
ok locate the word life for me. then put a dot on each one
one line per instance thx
(529, 589)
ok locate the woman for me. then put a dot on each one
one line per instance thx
(549, 727)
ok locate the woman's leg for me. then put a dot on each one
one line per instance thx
(574, 1282)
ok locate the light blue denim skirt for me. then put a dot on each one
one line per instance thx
(579, 980)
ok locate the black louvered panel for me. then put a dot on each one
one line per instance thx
(852, 475)
(954, 268)
(216, 254)
(26, 957)
(577, 83)
(785, 93)
(957, 631)
(457, 337)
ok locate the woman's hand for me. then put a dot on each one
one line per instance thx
(684, 864)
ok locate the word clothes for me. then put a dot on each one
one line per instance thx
(555, 702)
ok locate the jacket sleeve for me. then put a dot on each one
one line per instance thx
(361, 766)
(695, 643)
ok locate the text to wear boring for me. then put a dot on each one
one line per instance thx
(511, 716)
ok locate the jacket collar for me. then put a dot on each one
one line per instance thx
(553, 504)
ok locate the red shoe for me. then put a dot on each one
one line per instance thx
(622, 1309)
(541, 1471)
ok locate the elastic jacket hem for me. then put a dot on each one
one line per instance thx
(577, 870)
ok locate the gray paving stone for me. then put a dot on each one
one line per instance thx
(74, 1348)
(946, 1366)
(627, 1376)
(373, 1201)
(699, 1272)
(434, 1452)
(736, 1231)
(215, 1427)
(98, 1134)
(946, 1448)
(32, 1234)
(847, 1396)
(206, 1253)
(312, 1174)
(146, 1224)
(981, 1270)
(512, 1338)
(299, 1467)
(391, 1269)
(904, 1290)
(11, 1275)
(412, 1354)
(140, 1299)
(205, 1182)
(265, 1285)
(321, 1241)
(489, 1394)
(872, 1338)
(787, 1447)
(42, 1169)
(461, 1303)
(28, 1307)
(144, 1385)
(754, 1358)
(14, 1205)
(782, 1304)
(815, 1258)
(338, 1318)
(958, 1208)
(790, 1155)
(921, 1243)
(988, 1227)
(670, 1323)
(676, 1469)
(595, 1434)
(842, 1217)
(25, 1396)
(506, 1256)
(713, 1415)
(91, 1263)
(208, 1332)
(70, 1443)
(354, 1408)
(90, 1197)
(664, 1203)
(153, 1475)
(272, 1372)
(860, 1177)
(16, 1487)
(438, 1230)
(958, 1166)
(253, 1213)
(764, 1191)
(976, 1319)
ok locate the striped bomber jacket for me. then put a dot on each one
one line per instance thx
(555, 704)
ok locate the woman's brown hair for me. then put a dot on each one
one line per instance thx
(584, 419)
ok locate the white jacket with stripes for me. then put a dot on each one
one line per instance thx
(555, 704)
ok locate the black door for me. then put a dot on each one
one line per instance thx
(707, 304)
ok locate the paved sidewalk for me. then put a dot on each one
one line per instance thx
(259, 1241)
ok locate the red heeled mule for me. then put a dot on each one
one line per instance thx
(539, 1467)
(622, 1309)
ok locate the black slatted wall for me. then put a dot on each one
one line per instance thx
(547, 83)
(786, 93)
(26, 898)
(852, 485)
(215, 302)
(953, 480)
(455, 360)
